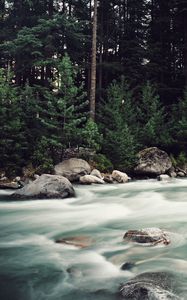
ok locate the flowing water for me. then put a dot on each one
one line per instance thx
(34, 267)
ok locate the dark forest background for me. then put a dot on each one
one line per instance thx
(45, 62)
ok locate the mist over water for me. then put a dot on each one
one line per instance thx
(34, 267)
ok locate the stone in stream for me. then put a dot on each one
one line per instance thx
(150, 236)
(46, 187)
(149, 286)
(127, 266)
(77, 241)
(89, 179)
(120, 177)
(164, 177)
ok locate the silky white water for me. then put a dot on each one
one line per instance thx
(34, 267)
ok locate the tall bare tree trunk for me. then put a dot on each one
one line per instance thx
(185, 46)
(93, 64)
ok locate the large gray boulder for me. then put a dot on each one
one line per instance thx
(46, 186)
(73, 169)
(153, 161)
(149, 286)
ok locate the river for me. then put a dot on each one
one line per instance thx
(34, 267)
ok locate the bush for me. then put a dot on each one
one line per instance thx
(102, 163)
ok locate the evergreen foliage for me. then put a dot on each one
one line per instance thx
(11, 138)
(152, 119)
(45, 55)
(118, 125)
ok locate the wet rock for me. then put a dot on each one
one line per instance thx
(163, 177)
(9, 185)
(149, 286)
(89, 179)
(77, 241)
(181, 174)
(127, 266)
(149, 236)
(46, 186)
(73, 169)
(153, 161)
(120, 177)
(108, 178)
(171, 172)
(96, 173)
(17, 179)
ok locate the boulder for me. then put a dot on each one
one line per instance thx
(77, 241)
(163, 177)
(46, 186)
(148, 236)
(120, 177)
(89, 179)
(73, 169)
(149, 286)
(96, 173)
(153, 161)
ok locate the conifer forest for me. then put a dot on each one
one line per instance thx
(107, 75)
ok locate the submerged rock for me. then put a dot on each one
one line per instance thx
(46, 186)
(89, 179)
(149, 286)
(77, 241)
(153, 161)
(73, 169)
(127, 266)
(151, 236)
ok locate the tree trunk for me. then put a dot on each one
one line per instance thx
(93, 64)
(185, 45)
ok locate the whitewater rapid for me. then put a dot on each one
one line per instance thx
(34, 267)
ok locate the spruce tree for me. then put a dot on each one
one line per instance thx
(11, 135)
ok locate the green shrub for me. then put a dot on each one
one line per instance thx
(102, 163)
(181, 159)
(91, 136)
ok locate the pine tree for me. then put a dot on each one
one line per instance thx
(61, 115)
(11, 136)
(153, 129)
(118, 123)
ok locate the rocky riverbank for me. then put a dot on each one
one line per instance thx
(151, 163)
